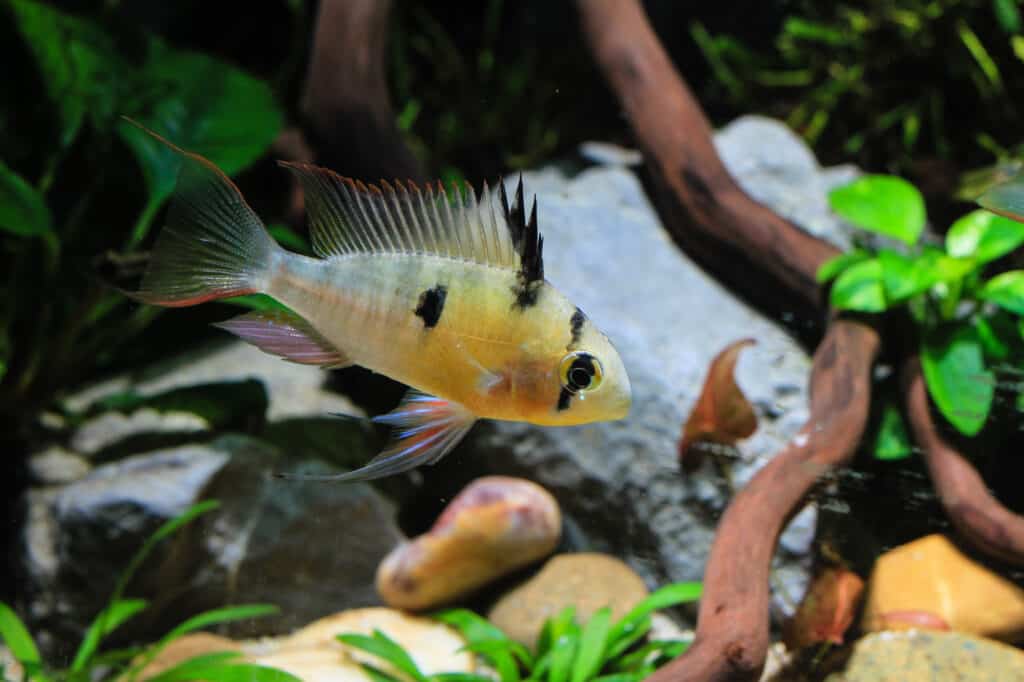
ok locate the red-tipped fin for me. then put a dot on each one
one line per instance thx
(286, 335)
(427, 428)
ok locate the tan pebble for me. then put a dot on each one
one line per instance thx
(494, 526)
(586, 581)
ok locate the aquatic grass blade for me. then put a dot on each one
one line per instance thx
(489, 641)
(563, 653)
(669, 648)
(461, 677)
(384, 647)
(232, 672)
(226, 614)
(619, 643)
(554, 628)
(15, 635)
(662, 598)
(105, 622)
(186, 669)
(592, 644)
(23, 211)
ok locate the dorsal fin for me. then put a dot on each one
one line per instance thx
(347, 216)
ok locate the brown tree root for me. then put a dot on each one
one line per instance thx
(742, 243)
(349, 120)
(733, 629)
(979, 517)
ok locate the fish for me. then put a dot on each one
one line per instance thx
(443, 291)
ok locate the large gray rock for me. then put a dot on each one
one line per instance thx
(620, 481)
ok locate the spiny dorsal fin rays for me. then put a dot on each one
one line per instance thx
(347, 216)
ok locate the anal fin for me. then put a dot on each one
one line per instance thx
(286, 335)
(427, 428)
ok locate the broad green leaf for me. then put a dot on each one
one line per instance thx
(904, 276)
(15, 635)
(860, 287)
(1006, 199)
(832, 267)
(106, 622)
(593, 641)
(386, 648)
(22, 209)
(884, 204)
(77, 61)
(210, 108)
(892, 441)
(996, 333)
(958, 381)
(1006, 290)
(984, 236)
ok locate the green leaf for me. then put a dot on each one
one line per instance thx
(563, 651)
(226, 614)
(958, 381)
(892, 441)
(185, 670)
(833, 266)
(996, 333)
(593, 641)
(210, 108)
(884, 204)
(1006, 290)
(460, 677)
(621, 641)
(1007, 15)
(983, 236)
(554, 628)
(904, 277)
(384, 647)
(260, 302)
(290, 239)
(106, 622)
(226, 672)
(77, 61)
(662, 598)
(489, 641)
(1006, 199)
(860, 287)
(22, 209)
(15, 635)
(669, 648)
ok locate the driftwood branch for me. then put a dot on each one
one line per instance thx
(347, 105)
(979, 517)
(744, 244)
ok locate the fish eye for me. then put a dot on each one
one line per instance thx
(580, 371)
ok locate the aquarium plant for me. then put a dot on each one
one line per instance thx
(566, 651)
(78, 182)
(90, 663)
(967, 312)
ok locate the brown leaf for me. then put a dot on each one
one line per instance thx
(722, 414)
(826, 610)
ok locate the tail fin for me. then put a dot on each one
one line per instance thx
(212, 246)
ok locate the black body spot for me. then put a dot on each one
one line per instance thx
(564, 398)
(431, 305)
(576, 327)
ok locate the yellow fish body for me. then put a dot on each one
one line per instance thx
(443, 293)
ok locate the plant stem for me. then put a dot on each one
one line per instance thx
(141, 228)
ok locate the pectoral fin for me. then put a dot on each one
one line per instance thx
(426, 429)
